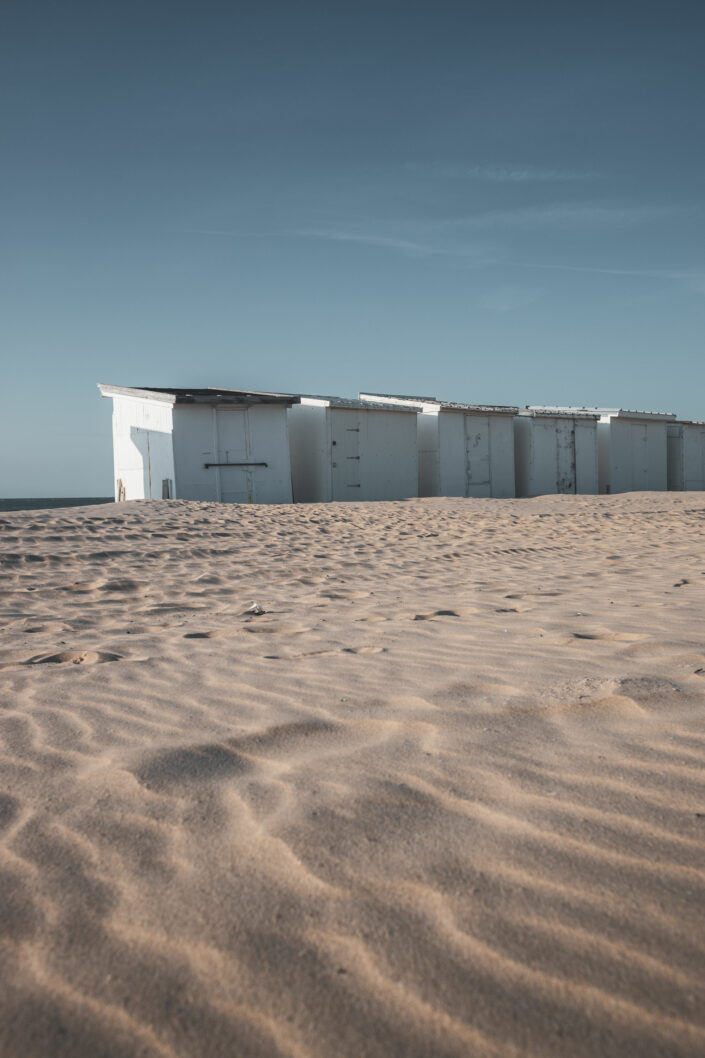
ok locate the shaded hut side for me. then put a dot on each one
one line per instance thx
(686, 456)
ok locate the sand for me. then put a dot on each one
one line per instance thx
(444, 797)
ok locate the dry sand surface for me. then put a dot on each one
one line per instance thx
(445, 797)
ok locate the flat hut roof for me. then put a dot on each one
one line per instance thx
(352, 403)
(605, 414)
(535, 412)
(443, 405)
(207, 395)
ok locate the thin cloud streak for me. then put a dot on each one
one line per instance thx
(572, 214)
(384, 242)
(642, 273)
(695, 281)
(506, 174)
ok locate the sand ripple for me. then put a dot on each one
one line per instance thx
(446, 797)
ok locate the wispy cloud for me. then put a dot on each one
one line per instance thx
(387, 242)
(505, 174)
(504, 298)
(572, 214)
(384, 242)
(696, 280)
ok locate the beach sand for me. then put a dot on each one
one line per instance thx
(446, 797)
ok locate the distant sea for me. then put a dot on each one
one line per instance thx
(43, 502)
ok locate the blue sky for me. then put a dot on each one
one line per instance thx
(489, 202)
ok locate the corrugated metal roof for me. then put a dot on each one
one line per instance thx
(447, 405)
(196, 395)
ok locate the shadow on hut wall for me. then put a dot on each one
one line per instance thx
(155, 455)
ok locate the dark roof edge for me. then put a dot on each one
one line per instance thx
(199, 395)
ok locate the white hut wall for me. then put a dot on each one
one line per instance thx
(142, 448)
(232, 454)
(427, 431)
(586, 456)
(309, 440)
(374, 454)
(638, 455)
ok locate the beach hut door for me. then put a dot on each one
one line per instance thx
(565, 455)
(345, 455)
(233, 474)
(477, 455)
(640, 456)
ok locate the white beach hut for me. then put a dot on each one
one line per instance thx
(227, 445)
(686, 456)
(632, 448)
(555, 451)
(464, 449)
(352, 450)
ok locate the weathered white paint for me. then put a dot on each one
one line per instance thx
(346, 450)
(464, 449)
(686, 456)
(158, 440)
(555, 453)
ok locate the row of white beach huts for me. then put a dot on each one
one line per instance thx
(238, 446)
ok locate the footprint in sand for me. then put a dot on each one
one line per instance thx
(344, 595)
(534, 594)
(123, 584)
(74, 657)
(227, 633)
(618, 637)
(50, 626)
(217, 633)
(436, 613)
(330, 653)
